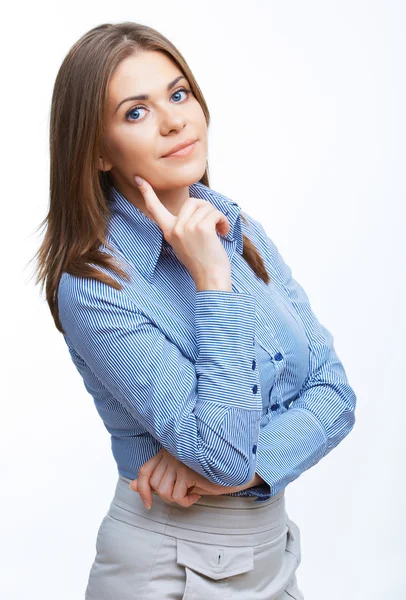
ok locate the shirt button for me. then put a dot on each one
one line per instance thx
(278, 356)
(254, 449)
(255, 389)
(254, 364)
(275, 406)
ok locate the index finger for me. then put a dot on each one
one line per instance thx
(159, 213)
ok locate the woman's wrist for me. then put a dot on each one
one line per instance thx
(256, 480)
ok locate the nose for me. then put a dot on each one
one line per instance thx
(171, 119)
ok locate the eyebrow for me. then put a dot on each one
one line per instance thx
(146, 96)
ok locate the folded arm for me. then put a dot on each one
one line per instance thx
(323, 413)
(206, 414)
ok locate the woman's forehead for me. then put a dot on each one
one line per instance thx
(147, 75)
(147, 72)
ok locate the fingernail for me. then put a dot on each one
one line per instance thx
(147, 505)
(138, 180)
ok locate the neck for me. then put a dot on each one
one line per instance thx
(172, 199)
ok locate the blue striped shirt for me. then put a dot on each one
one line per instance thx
(229, 382)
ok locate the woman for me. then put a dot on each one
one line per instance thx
(216, 381)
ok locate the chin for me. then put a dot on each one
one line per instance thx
(183, 175)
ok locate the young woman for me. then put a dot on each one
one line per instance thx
(215, 379)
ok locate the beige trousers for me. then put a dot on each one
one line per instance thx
(226, 547)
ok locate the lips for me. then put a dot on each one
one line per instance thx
(179, 147)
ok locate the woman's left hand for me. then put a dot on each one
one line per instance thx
(176, 483)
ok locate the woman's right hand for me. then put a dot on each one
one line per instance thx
(192, 235)
(177, 483)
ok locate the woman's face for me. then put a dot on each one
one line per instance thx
(139, 132)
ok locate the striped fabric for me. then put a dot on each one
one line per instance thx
(231, 383)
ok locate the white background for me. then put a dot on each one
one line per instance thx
(308, 135)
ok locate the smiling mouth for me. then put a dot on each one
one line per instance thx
(186, 151)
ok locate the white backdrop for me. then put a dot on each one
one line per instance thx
(308, 136)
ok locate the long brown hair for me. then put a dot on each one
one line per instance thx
(78, 213)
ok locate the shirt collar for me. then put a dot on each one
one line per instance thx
(141, 239)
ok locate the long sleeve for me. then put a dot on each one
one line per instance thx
(206, 413)
(322, 414)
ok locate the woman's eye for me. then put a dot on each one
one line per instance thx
(135, 110)
(187, 92)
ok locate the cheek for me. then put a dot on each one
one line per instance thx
(201, 127)
(200, 114)
(131, 145)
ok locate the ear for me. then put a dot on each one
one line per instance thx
(104, 165)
